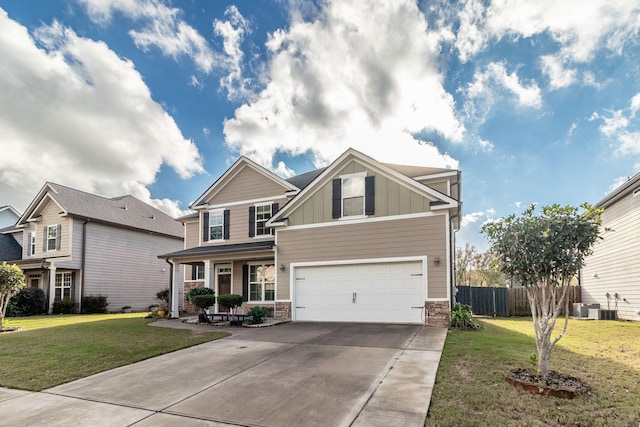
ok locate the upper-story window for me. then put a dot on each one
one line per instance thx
(258, 217)
(353, 196)
(263, 213)
(216, 225)
(51, 236)
(32, 243)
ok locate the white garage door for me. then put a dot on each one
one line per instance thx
(391, 292)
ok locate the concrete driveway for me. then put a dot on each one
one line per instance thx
(311, 374)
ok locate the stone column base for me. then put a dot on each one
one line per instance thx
(438, 313)
(282, 311)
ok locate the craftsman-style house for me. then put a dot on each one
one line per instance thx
(357, 241)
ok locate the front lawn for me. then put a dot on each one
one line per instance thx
(470, 388)
(52, 350)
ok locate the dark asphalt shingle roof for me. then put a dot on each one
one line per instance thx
(124, 210)
(221, 249)
(10, 250)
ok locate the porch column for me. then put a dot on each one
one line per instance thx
(208, 277)
(174, 310)
(52, 285)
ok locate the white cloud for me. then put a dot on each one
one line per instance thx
(580, 27)
(79, 115)
(233, 32)
(364, 75)
(619, 126)
(635, 105)
(162, 29)
(559, 76)
(488, 85)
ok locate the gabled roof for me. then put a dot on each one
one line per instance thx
(235, 168)
(632, 184)
(125, 211)
(304, 179)
(439, 200)
(10, 209)
(10, 249)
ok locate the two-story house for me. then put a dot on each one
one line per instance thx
(76, 244)
(9, 247)
(357, 241)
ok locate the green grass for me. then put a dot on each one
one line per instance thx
(52, 350)
(470, 389)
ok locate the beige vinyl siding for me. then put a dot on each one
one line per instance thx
(423, 236)
(75, 262)
(124, 265)
(192, 234)
(392, 198)
(616, 261)
(248, 184)
(51, 217)
(238, 225)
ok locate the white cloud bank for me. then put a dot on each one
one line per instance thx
(358, 74)
(75, 113)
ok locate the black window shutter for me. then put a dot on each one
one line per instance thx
(369, 195)
(193, 272)
(274, 209)
(44, 239)
(226, 225)
(252, 221)
(205, 227)
(245, 282)
(336, 210)
(58, 236)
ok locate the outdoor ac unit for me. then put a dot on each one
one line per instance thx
(582, 310)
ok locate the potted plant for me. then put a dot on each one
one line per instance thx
(203, 302)
(126, 309)
(163, 297)
(231, 301)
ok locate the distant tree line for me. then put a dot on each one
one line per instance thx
(475, 268)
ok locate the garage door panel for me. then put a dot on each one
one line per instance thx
(384, 292)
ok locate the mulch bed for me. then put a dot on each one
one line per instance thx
(556, 384)
(9, 329)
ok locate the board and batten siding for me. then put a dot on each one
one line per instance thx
(614, 266)
(391, 198)
(192, 233)
(247, 184)
(124, 265)
(423, 236)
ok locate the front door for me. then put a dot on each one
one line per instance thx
(223, 280)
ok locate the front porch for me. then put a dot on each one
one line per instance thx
(247, 269)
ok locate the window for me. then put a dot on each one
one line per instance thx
(52, 237)
(197, 271)
(263, 213)
(32, 246)
(216, 225)
(262, 279)
(63, 285)
(353, 196)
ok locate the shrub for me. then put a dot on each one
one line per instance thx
(198, 291)
(94, 304)
(65, 306)
(163, 297)
(203, 301)
(27, 302)
(257, 315)
(230, 301)
(462, 317)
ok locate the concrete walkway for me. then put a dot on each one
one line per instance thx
(291, 374)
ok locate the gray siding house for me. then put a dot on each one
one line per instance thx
(611, 276)
(76, 244)
(357, 241)
(9, 246)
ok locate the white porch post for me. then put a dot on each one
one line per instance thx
(174, 310)
(209, 278)
(52, 285)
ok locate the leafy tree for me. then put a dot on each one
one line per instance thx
(486, 269)
(464, 261)
(544, 252)
(11, 281)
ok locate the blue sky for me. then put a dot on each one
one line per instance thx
(534, 101)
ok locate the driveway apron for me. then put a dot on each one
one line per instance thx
(312, 374)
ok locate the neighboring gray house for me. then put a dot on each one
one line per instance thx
(611, 276)
(9, 247)
(76, 244)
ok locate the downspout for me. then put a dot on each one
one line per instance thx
(82, 262)
(170, 285)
